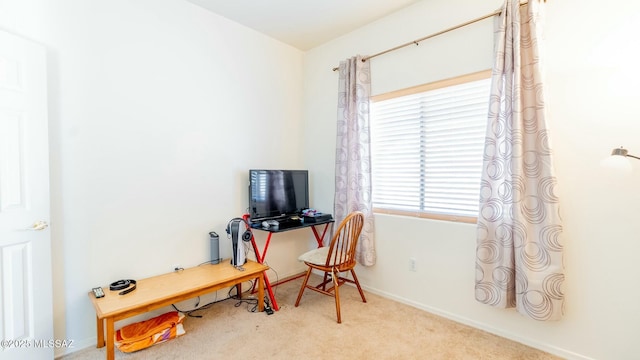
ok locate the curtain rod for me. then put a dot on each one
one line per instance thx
(415, 42)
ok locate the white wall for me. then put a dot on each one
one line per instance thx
(592, 95)
(158, 110)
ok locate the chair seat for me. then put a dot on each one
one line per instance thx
(316, 256)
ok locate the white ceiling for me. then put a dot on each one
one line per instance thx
(304, 24)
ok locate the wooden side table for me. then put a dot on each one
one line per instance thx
(163, 290)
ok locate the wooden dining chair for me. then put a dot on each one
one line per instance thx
(334, 259)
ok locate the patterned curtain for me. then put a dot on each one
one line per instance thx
(519, 248)
(353, 152)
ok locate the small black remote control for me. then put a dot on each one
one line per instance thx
(98, 292)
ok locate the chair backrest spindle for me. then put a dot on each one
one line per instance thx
(344, 242)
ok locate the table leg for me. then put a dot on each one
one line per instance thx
(100, 332)
(110, 339)
(261, 292)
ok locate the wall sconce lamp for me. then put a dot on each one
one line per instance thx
(622, 152)
(618, 159)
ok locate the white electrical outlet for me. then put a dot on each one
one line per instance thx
(412, 264)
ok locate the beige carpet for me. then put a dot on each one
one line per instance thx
(380, 328)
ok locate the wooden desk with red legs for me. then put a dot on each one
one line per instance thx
(260, 256)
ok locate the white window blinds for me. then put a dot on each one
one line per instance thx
(427, 150)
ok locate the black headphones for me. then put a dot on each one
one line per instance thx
(234, 226)
(123, 284)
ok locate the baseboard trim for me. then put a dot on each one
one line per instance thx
(482, 326)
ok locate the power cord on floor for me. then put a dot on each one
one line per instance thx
(190, 313)
(252, 303)
(267, 306)
(203, 307)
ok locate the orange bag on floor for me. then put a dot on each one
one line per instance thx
(141, 335)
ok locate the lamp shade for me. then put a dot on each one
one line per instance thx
(618, 160)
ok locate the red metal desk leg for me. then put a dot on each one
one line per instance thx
(270, 291)
(320, 239)
(260, 258)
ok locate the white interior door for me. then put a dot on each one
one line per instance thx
(25, 241)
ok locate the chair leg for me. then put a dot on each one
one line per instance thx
(355, 280)
(336, 287)
(304, 286)
(324, 281)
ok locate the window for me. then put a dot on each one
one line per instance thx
(427, 144)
